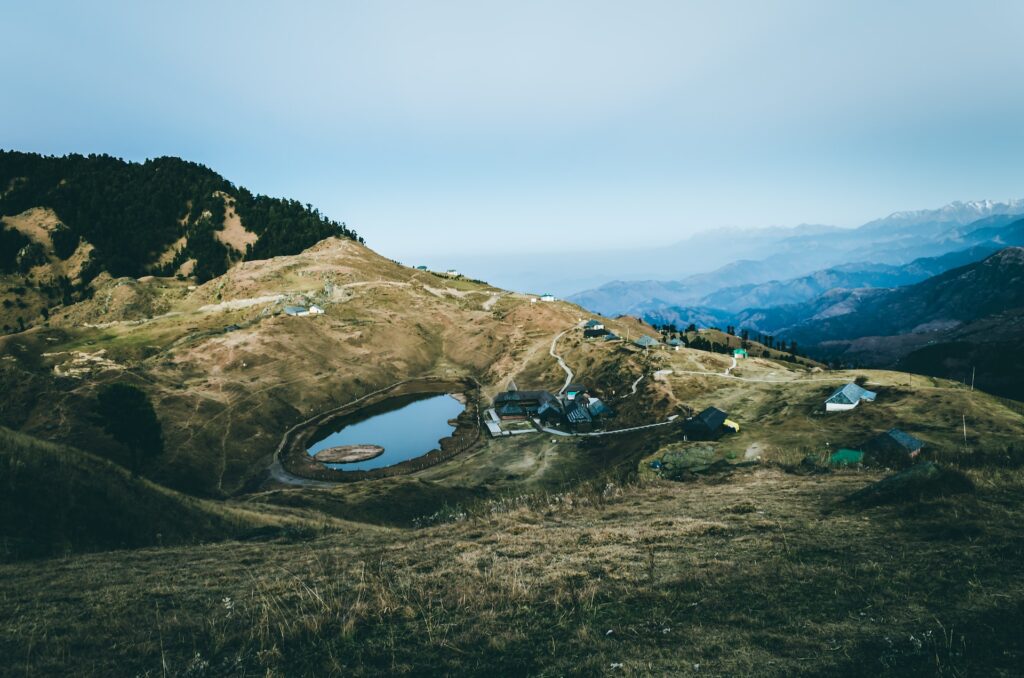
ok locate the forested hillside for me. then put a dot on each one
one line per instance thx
(150, 217)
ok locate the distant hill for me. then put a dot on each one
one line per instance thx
(855, 257)
(968, 317)
(777, 304)
(847, 276)
(66, 220)
(153, 216)
(952, 299)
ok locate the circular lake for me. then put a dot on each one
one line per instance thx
(406, 432)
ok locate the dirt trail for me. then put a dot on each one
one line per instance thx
(489, 304)
(561, 363)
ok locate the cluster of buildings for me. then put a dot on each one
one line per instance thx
(577, 408)
(450, 273)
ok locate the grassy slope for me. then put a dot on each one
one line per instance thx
(225, 399)
(763, 573)
(57, 499)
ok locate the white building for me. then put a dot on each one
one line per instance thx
(847, 398)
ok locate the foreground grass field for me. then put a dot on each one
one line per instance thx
(761, 572)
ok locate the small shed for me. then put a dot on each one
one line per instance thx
(676, 344)
(646, 342)
(894, 448)
(611, 336)
(547, 297)
(739, 353)
(295, 310)
(708, 425)
(848, 397)
(844, 456)
(593, 324)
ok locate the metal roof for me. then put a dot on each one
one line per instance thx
(850, 394)
(712, 419)
(645, 341)
(597, 408)
(577, 413)
(905, 439)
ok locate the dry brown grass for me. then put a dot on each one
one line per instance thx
(765, 574)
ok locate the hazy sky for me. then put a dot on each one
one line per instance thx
(471, 126)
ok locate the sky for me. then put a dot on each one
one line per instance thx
(466, 127)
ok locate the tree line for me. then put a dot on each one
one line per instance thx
(133, 212)
(693, 339)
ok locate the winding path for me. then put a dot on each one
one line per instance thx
(561, 363)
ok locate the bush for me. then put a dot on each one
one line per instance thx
(128, 416)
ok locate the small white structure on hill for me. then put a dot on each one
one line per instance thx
(547, 297)
(302, 311)
(847, 398)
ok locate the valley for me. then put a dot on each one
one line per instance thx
(471, 556)
(176, 470)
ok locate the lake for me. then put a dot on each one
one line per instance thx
(405, 433)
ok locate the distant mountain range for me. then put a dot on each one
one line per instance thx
(821, 252)
(933, 291)
(963, 320)
(969, 319)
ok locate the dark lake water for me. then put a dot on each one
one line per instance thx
(405, 433)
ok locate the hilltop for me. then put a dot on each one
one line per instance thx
(69, 223)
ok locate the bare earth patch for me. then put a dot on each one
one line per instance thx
(234, 234)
